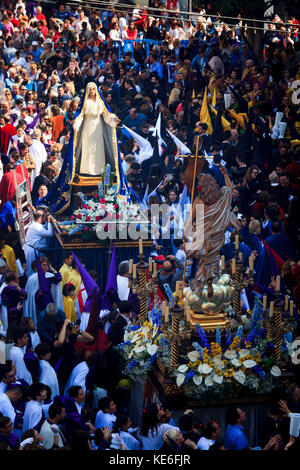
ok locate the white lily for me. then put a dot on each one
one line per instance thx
(197, 379)
(240, 377)
(218, 379)
(180, 379)
(151, 348)
(206, 369)
(139, 349)
(244, 352)
(182, 368)
(208, 381)
(275, 371)
(219, 364)
(135, 338)
(249, 364)
(230, 354)
(193, 356)
(236, 362)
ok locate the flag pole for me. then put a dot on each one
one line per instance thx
(192, 200)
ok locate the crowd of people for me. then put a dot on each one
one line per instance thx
(62, 386)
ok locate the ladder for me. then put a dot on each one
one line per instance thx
(24, 205)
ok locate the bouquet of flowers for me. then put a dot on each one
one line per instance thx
(140, 348)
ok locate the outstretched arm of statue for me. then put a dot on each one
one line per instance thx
(111, 119)
(77, 123)
(227, 179)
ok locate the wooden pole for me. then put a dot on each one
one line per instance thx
(192, 200)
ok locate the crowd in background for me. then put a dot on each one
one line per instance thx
(146, 63)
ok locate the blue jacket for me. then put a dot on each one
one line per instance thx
(46, 326)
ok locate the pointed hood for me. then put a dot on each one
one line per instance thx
(89, 283)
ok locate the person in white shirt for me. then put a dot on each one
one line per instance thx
(78, 23)
(122, 280)
(211, 432)
(16, 354)
(36, 237)
(33, 412)
(50, 431)
(47, 373)
(106, 415)
(77, 377)
(6, 402)
(123, 427)
(7, 375)
(37, 151)
(152, 430)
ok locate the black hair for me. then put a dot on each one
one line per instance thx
(35, 390)
(18, 334)
(104, 403)
(232, 415)
(54, 410)
(186, 422)
(125, 306)
(73, 391)
(276, 226)
(42, 349)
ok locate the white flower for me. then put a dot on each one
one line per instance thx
(235, 362)
(151, 348)
(249, 364)
(206, 369)
(182, 368)
(155, 330)
(135, 338)
(193, 356)
(101, 212)
(244, 352)
(219, 364)
(197, 379)
(230, 354)
(218, 379)
(209, 381)
(244, 318)
(180, 379)
(240, 377)
(275, 371)
(139, 349)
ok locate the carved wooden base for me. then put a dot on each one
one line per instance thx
(209, 322)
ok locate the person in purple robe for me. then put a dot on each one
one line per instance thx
(12, 297)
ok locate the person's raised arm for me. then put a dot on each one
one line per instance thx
(61, 338)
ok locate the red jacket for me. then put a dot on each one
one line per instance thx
(7, 184)
(6, 132)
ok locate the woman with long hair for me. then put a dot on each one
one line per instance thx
(152, 430)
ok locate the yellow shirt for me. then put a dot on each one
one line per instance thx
(69, 308)
(75, 279)
(9, 255)
(65, 270)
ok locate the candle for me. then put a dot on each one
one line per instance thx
(167, 314)
(177, 288)
(223, 263)
(251, 263)
(271, 311)
(241, 256)
(134, 271)
(286, 303)
(154, 270)
(188, 315)
(130, 265)
(163, 309)
(277, 285)
(291, 308)
(265, 303)
(141, 246)
(237, 240)
(150, 265)
(233, 265)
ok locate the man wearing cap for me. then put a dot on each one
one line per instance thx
(47, 321)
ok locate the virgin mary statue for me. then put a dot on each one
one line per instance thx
(93, 143)
(94, 135)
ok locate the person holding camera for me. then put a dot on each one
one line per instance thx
(64, 357)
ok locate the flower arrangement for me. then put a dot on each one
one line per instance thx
(140, 348)
(107, 211)
(245, 361)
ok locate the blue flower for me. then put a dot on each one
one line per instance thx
(203, 338)
(189, 375)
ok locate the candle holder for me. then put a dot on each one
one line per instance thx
(143, 287)
(240, 283)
